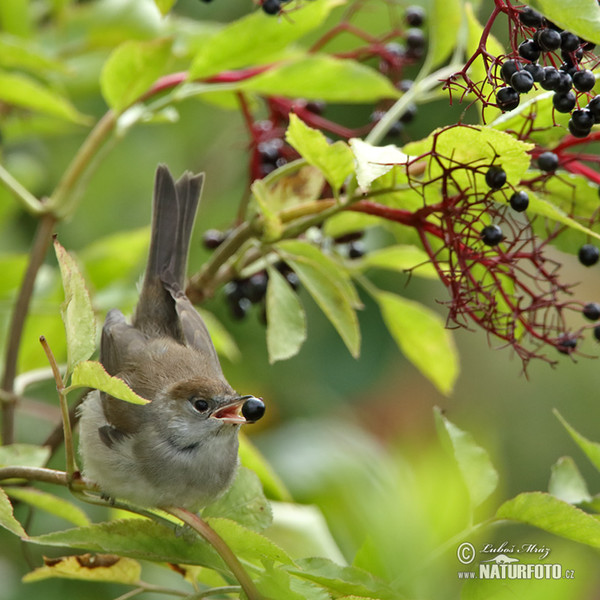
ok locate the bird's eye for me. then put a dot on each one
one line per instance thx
(199, 404)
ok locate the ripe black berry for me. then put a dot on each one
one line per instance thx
(270, 150)
(529, 50)
(564, 103)
(547, 161)
(356, 250)
(569, 42)
(316, 107)
(508, 69)
(578, 132)
(255, 287)
(551, 78)
(565, 82)
(253, 409)
(588, 255)
(530, 17)
(566, 344)
(409, 113)
(239, 308)
(522, 81)
(591, 311)
(404, 85)
(213, 238)
(507, 98)
(584, 80)
(594, 107)
(415, 43)
(582, 118)
(536, 71)
(415, 16)
(492, 235)
(519, 201)
(271, 7)
(597, 332)
(547, 39)
(495, 177)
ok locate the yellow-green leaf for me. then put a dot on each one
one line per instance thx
(7, 518)
(403, 258)
(50, 503)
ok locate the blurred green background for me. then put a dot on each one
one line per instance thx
(345, 434)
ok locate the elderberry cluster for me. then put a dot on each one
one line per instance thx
(591, 311)
(569, 82)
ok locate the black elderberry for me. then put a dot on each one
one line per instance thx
(255, 287)
(415, 16)
(508, 69)
(404, 85)
(551, 78)
(492, 235)
(356, 250)
(415, 43)
(507, 98)
(566, 344)
(270, 150)
(569, 42)
(588, 45)
(536, 71)
(597, 333)
(233, 291)
(547, 161)
(591, 311)
(582, 118)
(547, 39)
(521, 81)
(588, 255)
(572, 58)
(594, 107)
(213, 238)
(529, 50)
(253, 409)
(584, 80)
(519, 201)
(395, 49)
(293, 280)
(577, 131)
(409, 113)
(495, 177)
(564, 103)
(239, 308)
(316, 107)
(565, 82)
(530, 17)
(271, 7)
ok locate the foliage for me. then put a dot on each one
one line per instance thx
(421, 208)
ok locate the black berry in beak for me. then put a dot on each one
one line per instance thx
(253, 409)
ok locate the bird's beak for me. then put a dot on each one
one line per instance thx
(231, 413)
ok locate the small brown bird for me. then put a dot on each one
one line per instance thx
(181, 448)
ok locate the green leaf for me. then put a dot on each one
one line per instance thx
(343, 580)
(286, 321)
(244, 502)
(372, 162)
(272, 226)
(51, 504)
(16, 52)
(421, 335)
(479, 474)
(330, 287)
(591, 449)
(12, 267)
(20, 90)
(105, 568)
(246, 544)
(164, 5)
(136, 538)
(401, 258)
(301, 186)
(76, 310)
(252, 459)
(334, 160)
(24, 455)
(566, 482)
(582, 17)
(92, 374)
(354, 82)
(553, 515)
(131, 69)
(444, 28)
(7, 518)
(277, 583)
(236, 45)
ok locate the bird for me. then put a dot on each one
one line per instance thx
(181, 448)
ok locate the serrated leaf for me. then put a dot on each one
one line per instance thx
(92, 374)
(582, 17)
(401, 258)
(354, 82)
(477, 470)
(107, 568)
(335, 160)
(444, 28)
(131, 69)
(24, 455)
(371, 162)
(51, 504)
(244, 502)
(20, 90)
(277, 583)
(7, 518)
(164, 5)
(421, 335)
(591, 449)
(76, 310)
(236, 45)
(286, 321)
(136, 538)
(567, 483)
(329, 286)
(272, 226)
(552, 515)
